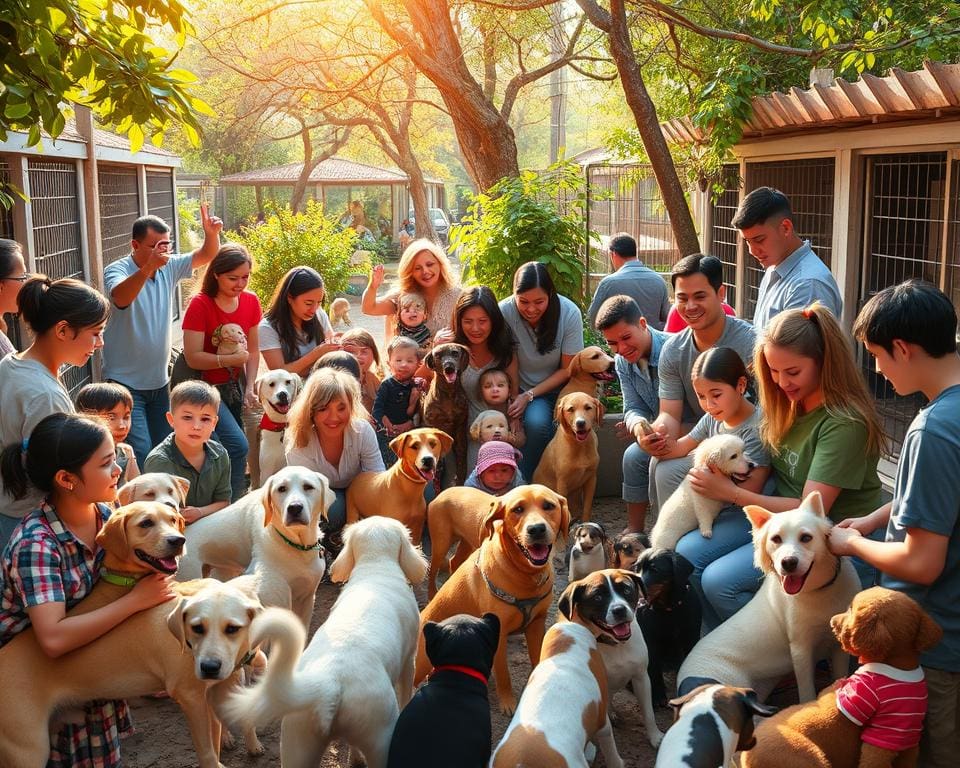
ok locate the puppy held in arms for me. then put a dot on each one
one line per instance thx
(686, 509)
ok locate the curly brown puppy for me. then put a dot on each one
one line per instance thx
(445, 405)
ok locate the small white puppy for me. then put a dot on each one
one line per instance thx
(357, 673)
(276, 391)
(686, 509)
(590, 551)
(273, 532)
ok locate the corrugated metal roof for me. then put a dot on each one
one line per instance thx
(333, 170)
(929, 92)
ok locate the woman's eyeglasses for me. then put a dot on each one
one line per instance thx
(20, 278)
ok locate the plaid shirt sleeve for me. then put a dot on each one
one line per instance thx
(36, 571)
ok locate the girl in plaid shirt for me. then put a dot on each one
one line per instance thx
(52, 562)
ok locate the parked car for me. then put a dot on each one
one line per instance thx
(440, 223)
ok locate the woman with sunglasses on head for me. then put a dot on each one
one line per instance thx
(66, 319)
(295, 331)
(13, 274)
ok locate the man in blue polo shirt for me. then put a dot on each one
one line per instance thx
(632, 278)
(794, 276)
(138, 337)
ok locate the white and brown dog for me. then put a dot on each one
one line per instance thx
(591, 551)
(276, 391)
(712, 722)
(566, 701)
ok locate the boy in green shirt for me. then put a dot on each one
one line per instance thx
(190, 453)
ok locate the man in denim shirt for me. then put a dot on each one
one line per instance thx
(637, 349)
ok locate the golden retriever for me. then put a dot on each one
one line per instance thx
(454, 517)
(587, 369)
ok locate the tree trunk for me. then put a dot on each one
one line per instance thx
(300, 186)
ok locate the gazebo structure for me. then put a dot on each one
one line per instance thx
(337, 182)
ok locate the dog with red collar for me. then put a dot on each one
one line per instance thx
(566, 702)
(276, 391)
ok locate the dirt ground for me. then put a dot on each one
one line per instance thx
(162, 738)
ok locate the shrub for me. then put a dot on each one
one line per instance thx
(308, 239)
(533, 217)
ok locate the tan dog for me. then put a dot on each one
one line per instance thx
(229, 338)
(587, 369)
(340, 313)
(887, 631)
(510, 575)
(398, 491)
(156, 486)
(454, 517)
(569, 462)
(137, 657)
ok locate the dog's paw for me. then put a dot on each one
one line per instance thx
(707, 533)
(254, 747)
(655, 735)
(508, 706)
(226, 739)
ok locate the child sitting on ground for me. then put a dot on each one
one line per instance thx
(399, 395)
(496, 471)
(494, 390)
(411, 320)
(190, 453)
(113, 403)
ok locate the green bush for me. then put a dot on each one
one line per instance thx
(308, 239)
(533, 217)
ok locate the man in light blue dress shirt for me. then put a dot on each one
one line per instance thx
(794, 276)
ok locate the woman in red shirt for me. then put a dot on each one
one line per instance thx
(223, 299)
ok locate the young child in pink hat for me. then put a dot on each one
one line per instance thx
(496, 471)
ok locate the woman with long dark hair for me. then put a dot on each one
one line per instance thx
(224, 299)
(13, 274)
(549, 332)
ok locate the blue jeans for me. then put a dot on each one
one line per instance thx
(229, 433)
(636, 474)
(148, 420)
(539, 425)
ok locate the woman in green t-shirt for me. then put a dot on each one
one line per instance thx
(823, 431)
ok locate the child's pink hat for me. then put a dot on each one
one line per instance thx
(496, 452)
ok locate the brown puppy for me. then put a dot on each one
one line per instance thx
(587, 369)
(510, 575)
(454, 517)
(569, 462)
(137, 657)
(398, 491)
(445, 405)
(881, 627)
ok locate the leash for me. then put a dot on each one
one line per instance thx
(523, 604)
(118, 579)
(317, 547)
(474, 673)
(268, 424)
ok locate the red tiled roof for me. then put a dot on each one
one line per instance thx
(930, 92)
(331, 170)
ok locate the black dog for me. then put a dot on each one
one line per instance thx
(447, 722)
(670, 621)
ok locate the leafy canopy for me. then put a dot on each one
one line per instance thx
(98, 53)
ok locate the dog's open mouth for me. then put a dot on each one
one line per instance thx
(581, 434)
(737, 477)
(792, 583)
(162, 564)
(280, 407)
(620, 632)
(603, 375)
(426, 474)
(450, 374)
(538, 554)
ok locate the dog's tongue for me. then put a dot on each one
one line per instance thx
(426, 474)
(538, 551)
(792, 583)
(450, 376)
(281, 408)
(168, 563)
(621, 631)
(581, 436)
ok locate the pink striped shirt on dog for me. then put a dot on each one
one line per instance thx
(889, 704)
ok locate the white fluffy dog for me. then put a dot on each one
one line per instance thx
(276, 391)
(786, 626)
(357, 673)
(686, 509)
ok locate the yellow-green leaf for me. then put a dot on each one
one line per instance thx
(135, 134)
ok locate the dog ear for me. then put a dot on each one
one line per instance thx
(869, 636)
(564, 518)
(601, 412)
(558, 415)
(343, 565)
(183, 488)
(496, 512)
(568, 600)
(749, 698)
(446, 442)
(493, 624)
(269, 508)
(399, 443)
(297, 385)
(175, 622)
(412, 562)
(929, 633)
(575, 366)
(464, 357)
(758, 516)
(113, 535)
(635, 577)
(814, 504)
(125, 494)
(328, 497)
(257, 384)
(475, 428)
(429, 361)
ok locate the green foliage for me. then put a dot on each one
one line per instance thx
(533, 217)
(188, 213)
(307, 239)
(99, 53)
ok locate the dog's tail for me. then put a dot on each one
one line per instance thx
(280, 691)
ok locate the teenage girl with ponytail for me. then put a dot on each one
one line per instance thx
(67, 319)
(52, 562)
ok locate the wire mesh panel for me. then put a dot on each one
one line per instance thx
(627, 199)
(57, 234)
(119, 208)
(809, 185)
(723, 235)
(952, 277)
(904, 223)
(161, 197)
